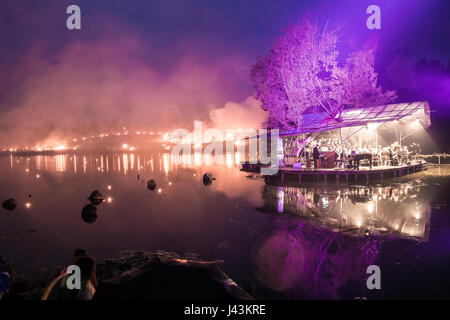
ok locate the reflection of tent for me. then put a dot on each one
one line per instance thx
(318, 122)
(164, 277)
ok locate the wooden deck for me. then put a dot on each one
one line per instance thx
(337, 174)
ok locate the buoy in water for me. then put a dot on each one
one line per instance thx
(151, 184)
(9, 204)
(89, 213)
(208, 179)
(96, 197)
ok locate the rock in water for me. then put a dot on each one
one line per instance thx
(9, 204)
(89, 213)
(207, 179)
(151, 184)
(96, 197)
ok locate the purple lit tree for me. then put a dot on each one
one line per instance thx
(301, 74)
(361, 85)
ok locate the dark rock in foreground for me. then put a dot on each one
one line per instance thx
(165, 276)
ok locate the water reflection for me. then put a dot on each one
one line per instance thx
(356, 210)
(312, 242)
(304, 261)
(119, 163)
(323, 238)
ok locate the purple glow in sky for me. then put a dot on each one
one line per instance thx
(165, 64)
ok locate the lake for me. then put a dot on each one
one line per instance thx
(276, 240)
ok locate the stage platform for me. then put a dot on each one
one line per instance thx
(352, 175)
(379, 172)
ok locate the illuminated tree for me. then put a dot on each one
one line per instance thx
(301, 74)
(361, 85)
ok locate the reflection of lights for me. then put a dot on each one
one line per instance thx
(325, 201)
(229, 159)
(413, 228)
(109, 199)
(207, 159)
(28, 205)
(280, 199)
(27, 170)
(170, 183)
(125, 146)
(159, 190)
(237, 158)
(109, 187)
(38, 176)
(125, 162)
(60, 163)
(197, 158)
(166, 163)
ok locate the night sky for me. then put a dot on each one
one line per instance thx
(163, 64)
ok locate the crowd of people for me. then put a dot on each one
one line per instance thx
(327, 153)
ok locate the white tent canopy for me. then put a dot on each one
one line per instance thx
(318, 122)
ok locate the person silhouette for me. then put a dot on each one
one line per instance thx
(5, 280)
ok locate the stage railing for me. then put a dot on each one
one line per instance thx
(436, 155)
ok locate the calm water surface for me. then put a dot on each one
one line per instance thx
(276, 240)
